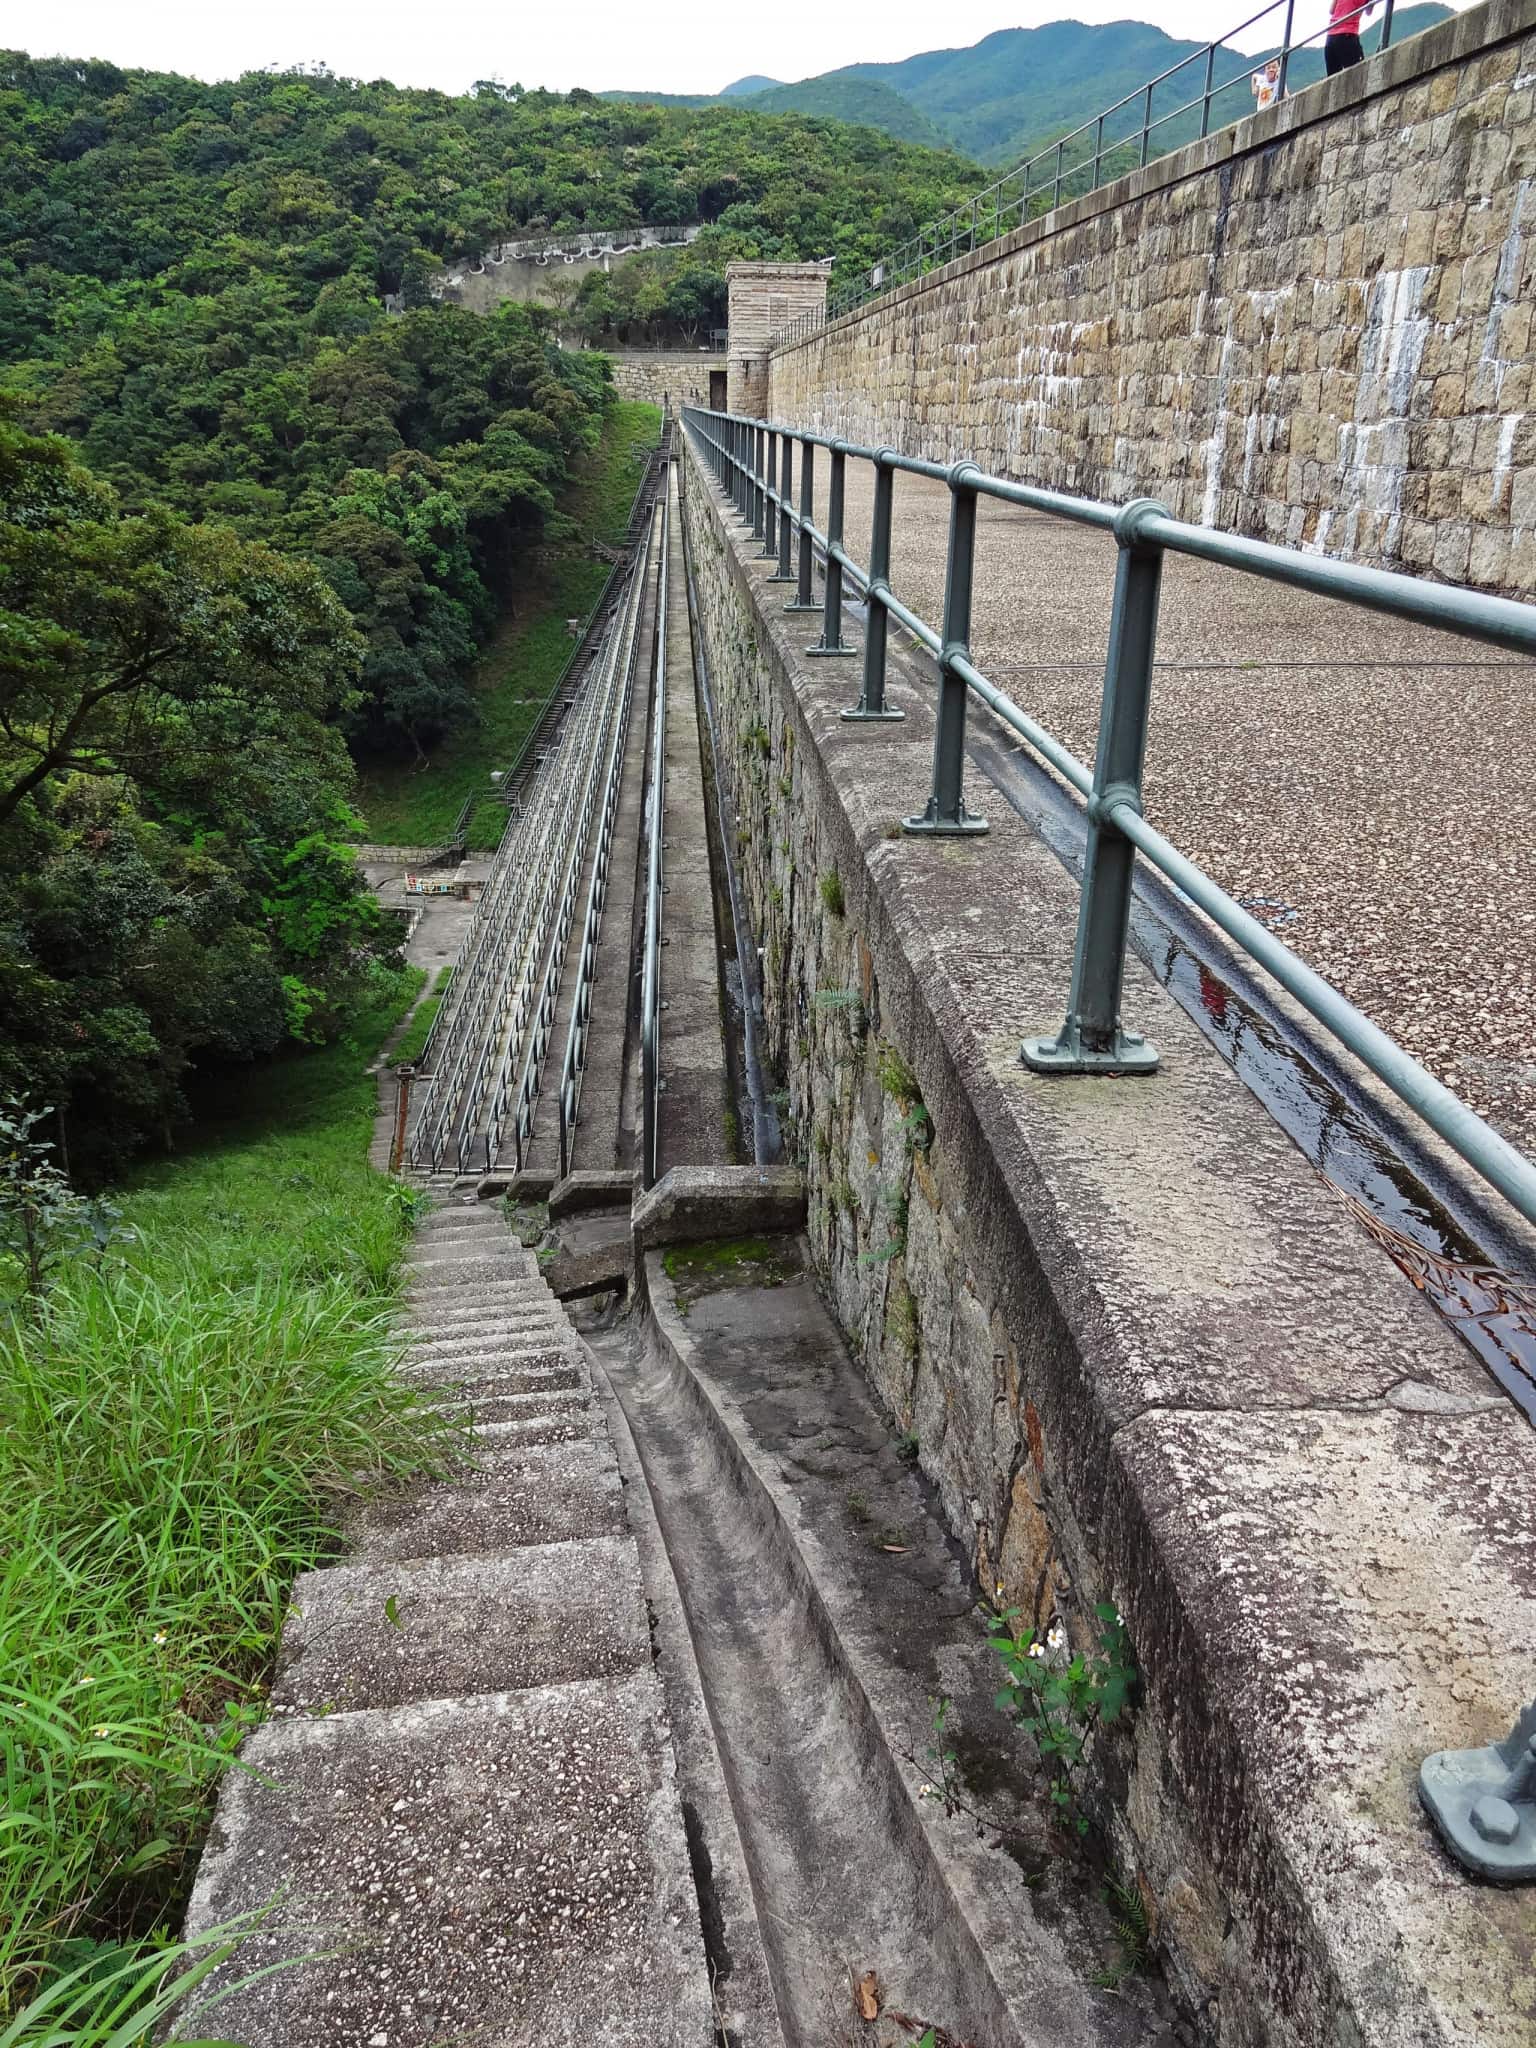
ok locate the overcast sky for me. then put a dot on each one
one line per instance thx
(673, 46)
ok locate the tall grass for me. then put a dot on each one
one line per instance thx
(178, 1432)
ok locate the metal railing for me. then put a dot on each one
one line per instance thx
(573, 1066)
(509, 780)
(1102, 148)
(1092, 1038)
(655, 884)
(543, 1026)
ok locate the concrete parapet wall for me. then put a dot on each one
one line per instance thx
(1315, 326)
(1149, 1357)
(650, 375)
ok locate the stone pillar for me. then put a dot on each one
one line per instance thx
(762, 298)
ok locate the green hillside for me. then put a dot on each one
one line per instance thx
(1015, 91)
(862, 100)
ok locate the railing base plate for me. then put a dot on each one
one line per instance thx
(820, 653)
(1066, 1054)
(859, 714)
(792, 606)
(930, 822)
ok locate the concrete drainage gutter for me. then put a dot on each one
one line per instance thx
(1020, 1977)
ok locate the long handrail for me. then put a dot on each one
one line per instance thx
(592, 818)
(573, 1065)
(650, 979)
(1093, 1039)
(998, 209)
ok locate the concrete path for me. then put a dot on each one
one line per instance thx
(462, 1813)
(1361, 784)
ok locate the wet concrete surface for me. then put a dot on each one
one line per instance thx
(1361, 782)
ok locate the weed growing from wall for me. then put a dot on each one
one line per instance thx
(1060, 1696)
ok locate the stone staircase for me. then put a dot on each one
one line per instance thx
(462, 1814)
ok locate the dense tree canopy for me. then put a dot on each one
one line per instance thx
(250, 520)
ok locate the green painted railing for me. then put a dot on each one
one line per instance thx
(753, 461)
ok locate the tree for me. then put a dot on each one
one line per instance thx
(124, 640)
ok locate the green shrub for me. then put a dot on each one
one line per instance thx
(832, 893)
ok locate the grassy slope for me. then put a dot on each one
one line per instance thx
(178, 1437)
(406, 806)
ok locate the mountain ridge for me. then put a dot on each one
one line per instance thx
(1017, 89)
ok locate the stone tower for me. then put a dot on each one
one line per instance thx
(761, 298)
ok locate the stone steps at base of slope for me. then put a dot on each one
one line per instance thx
(508, 1867)
(386, 1635)
(548, 1373)
(462, 1816)
(533, 1493)
(532, 1409)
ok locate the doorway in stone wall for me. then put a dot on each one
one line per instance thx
(717, 391)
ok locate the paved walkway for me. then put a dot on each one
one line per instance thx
(1373, 778)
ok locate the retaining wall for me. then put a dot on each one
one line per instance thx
(653, 374)
(1147, 1357)
(1315, 326)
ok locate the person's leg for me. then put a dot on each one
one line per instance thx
(1340, 52)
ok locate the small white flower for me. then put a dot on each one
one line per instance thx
(160, 1638)
(1037, 1649)
(101, 1734)
(1056, 1635)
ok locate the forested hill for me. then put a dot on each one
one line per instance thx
(1017, 89)
(249, 523)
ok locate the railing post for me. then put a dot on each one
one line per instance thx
(743, 476)
(1285, 48)
(770, 502)
(1386, 26)
(872, 702)
(1205, 98)
(945, 811)
(803, 601)
(1146, 125)
(1093, 1040)
(755, 452)
(784, 573)
(1056, 192)
(1098, 150)
(831, 641)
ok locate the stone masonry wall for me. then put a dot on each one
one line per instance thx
(1315, 327)
(654, 374)
(1142, 1355)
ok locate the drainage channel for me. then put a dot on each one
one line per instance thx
(1440, 1233)
(826, 1612)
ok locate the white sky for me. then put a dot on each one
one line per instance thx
(659, 45)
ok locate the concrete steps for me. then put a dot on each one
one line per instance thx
(462, 1813)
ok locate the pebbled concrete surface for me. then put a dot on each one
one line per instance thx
(506, 1870)
(1370, 776)
(461, 1625)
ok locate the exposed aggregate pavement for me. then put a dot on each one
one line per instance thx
(1370, 776)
